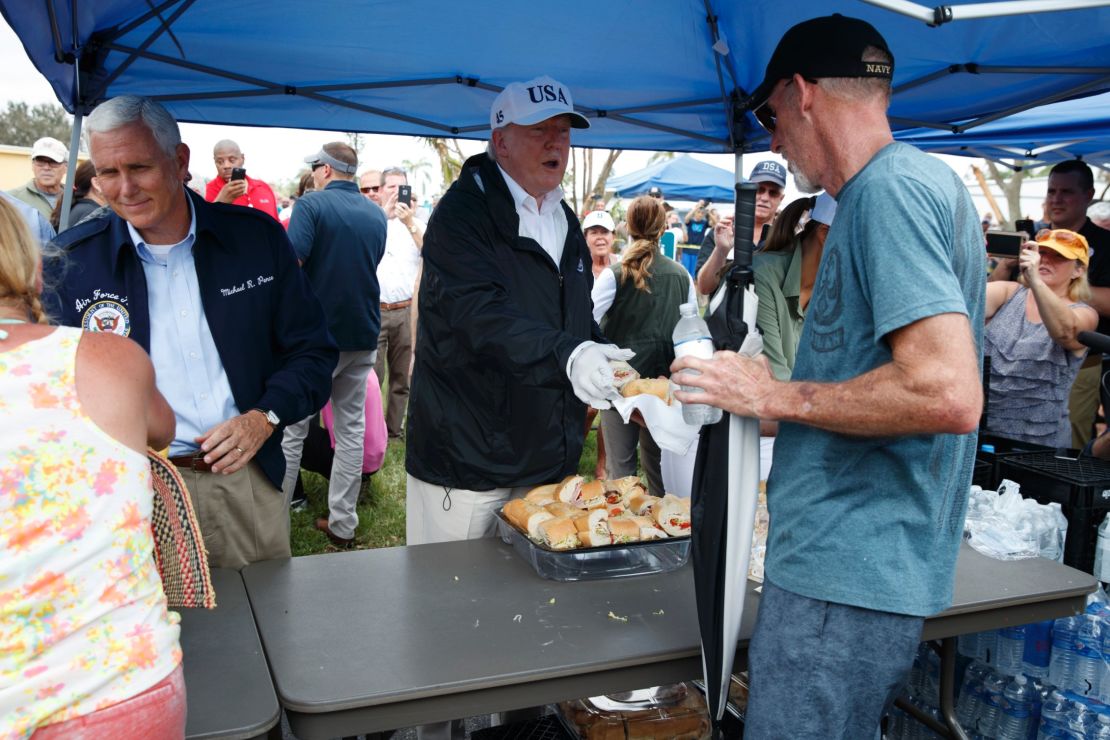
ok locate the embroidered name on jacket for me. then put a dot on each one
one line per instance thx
(247, 285)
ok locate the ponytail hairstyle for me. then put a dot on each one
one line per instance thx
(82, 184)
(646, 223)
(19, 264)
(785, 227)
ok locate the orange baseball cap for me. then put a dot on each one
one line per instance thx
(1066, 243)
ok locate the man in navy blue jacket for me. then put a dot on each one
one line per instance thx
(213, 292)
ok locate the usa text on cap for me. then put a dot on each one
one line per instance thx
(598, 218)
(534, 101)
(769, 171)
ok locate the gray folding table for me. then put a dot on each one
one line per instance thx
(373, 640)
(227, 682)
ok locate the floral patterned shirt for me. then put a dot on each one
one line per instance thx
(83, 619)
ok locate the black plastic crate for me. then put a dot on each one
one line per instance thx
(544, 728)
(1082, 488)
(998, 449)
(981, 475)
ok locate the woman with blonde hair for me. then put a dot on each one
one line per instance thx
(636, 303)
(1030, 339)
(89, 647)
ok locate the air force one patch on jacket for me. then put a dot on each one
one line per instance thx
(108, 317)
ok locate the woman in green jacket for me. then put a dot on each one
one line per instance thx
(785, 273)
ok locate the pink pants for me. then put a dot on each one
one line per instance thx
(156, 714)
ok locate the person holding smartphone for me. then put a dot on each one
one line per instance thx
(232, 185)
(1031, 339)
(397, 276)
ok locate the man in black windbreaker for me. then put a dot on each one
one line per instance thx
(506, 340)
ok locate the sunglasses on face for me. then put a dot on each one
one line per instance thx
(371, 189)
(766, 115)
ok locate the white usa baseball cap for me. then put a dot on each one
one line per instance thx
(534, 101)
(599, 218)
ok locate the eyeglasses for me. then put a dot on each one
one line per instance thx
(370, 189)
(766, 115)
(46, 162)
(317, 166)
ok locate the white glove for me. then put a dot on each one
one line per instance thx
(590, 375)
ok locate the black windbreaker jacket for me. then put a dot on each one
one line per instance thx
(490, 403)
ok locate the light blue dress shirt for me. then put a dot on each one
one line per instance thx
(187, 365)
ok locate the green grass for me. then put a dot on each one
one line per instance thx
(381, 505)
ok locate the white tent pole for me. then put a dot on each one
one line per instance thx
(71, 173)
(945, 13)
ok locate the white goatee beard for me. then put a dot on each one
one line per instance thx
(801, 181)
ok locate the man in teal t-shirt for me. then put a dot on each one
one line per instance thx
(873, 460)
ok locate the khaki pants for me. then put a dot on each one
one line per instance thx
(1083, 402)
(243, 516)
(395, 344)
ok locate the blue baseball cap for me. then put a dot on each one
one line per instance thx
(769, 171)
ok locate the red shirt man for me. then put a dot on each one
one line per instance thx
(249, 192)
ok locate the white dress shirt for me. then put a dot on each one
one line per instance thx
(542, 220)
(397, 270)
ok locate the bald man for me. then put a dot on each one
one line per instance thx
(239, 191)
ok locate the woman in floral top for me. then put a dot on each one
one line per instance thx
(87, 646)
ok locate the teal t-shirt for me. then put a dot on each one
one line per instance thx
(877, 522)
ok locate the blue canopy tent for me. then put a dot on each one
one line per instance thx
(1048, 134)
(681, 178)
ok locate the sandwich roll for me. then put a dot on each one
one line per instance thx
(592, 495)
(623, 373)
(672, 515)
(648, 530)
(640, 503)
(525, 516)
(658, 387)
(592, 538)
(570, 489)
(542, 494)
(562, 508)
(624, 529)
(559, 533)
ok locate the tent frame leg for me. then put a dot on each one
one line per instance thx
(71, 173)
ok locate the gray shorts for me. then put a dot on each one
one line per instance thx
(824, 670)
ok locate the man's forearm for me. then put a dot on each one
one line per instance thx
(708, 279)
(887, 401)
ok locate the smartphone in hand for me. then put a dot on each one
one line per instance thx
(404, 194)
(238, 173)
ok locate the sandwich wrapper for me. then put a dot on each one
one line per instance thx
(665, 422)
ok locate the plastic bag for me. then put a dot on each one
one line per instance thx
(1005, 526)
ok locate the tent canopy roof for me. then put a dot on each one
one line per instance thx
(681, 178)
(645, 71)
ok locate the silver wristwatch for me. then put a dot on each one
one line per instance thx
(271, 417)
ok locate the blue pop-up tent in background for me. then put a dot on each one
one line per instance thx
(681, 178)
(664, 75)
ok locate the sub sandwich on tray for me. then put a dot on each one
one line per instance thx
(575, 513)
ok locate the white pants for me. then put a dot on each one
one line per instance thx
(443, 514)
(348, 403)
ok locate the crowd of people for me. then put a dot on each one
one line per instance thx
(495, 323)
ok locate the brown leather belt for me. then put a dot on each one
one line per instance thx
(396, 306)
(190, 462)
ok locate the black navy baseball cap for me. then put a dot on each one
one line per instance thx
(829, 46)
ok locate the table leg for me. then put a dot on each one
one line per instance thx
(951, 727)
(948, 688)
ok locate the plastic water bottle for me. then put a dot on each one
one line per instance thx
(1102, 551)
(990, 711)
(1054, 717)
(1080, 721)
(1061, 667)
(971, 693)
(1017, 710)
(692, 339)
(988, 647)
(1038, 647)
(1062, 525)
(1101, 729)
(1010, 649)
(1088, 652)
(1104, 682)
(968, 645)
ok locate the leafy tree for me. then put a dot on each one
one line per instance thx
(21, 125)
